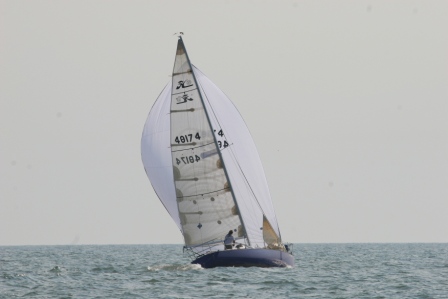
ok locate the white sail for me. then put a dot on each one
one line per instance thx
(203, 164)
(242, 162)
(207, 209)
(156, 153)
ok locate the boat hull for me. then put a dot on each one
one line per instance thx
(246, 258)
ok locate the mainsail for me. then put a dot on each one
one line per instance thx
(206, 205)
(203, 164)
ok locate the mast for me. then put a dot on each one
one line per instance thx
(215, 141)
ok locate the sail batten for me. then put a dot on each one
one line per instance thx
(180, 73)
(184, 110)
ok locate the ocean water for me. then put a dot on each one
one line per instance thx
(162, 271)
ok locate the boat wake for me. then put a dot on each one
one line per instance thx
(175, 267)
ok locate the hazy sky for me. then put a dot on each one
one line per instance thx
(347, 102)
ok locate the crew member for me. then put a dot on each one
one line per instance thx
(229, 240)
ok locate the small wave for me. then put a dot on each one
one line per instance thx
(7, 276)
(56, 269)
(13, 276)
(175, 267)
(153, 280)
(402, 286)
(107, 269)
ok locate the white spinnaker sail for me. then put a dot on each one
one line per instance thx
(242, 161)
(156, 154)
(181, 161)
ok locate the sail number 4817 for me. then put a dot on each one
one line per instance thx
(187, 138)
(188, 159)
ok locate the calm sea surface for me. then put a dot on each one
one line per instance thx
(161, 271)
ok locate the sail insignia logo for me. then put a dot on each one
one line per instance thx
(184, 84)
(183, 99)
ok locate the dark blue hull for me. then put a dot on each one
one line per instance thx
(246, 258)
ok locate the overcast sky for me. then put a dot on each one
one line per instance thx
(347, 102)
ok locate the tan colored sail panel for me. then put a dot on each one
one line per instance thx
(269, 235)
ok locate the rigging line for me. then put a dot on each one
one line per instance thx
(216, 143)
(235, 159)
(220, 125)
(250, 187)
(233, 155)
(247, 181)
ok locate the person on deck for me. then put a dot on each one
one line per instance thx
(229, 240)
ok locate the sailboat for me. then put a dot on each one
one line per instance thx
(204, 166)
